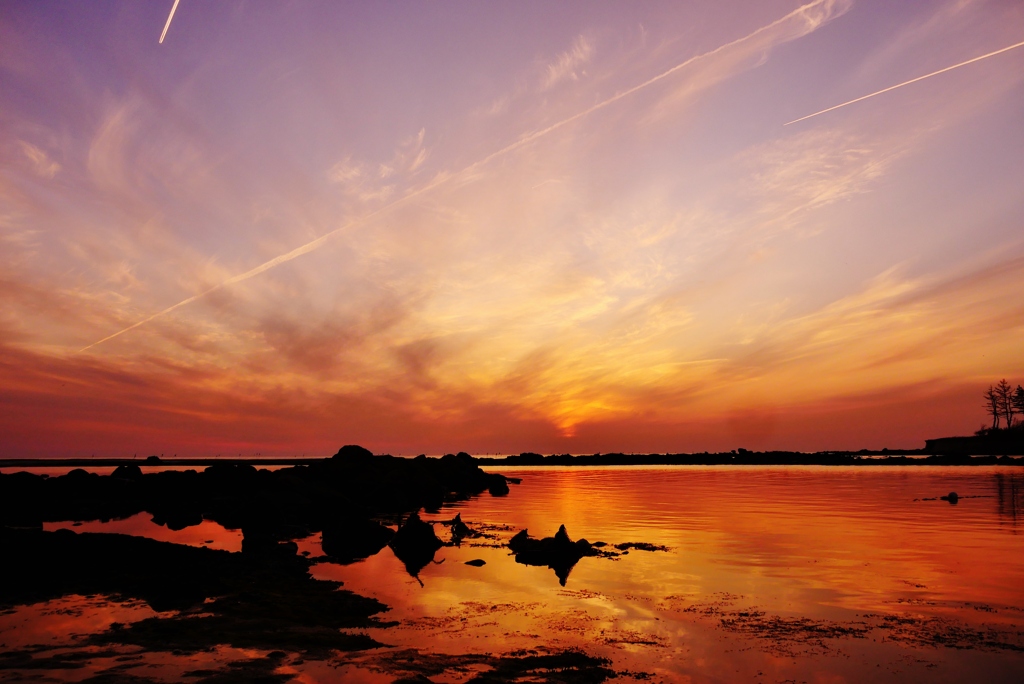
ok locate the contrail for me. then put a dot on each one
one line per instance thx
(169, 17)
(442, 179)
(913, 80)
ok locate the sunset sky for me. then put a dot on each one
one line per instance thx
(556, 227)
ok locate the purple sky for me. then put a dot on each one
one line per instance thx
(546, 226)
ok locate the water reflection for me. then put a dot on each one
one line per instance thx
(205, 533)
(770, 570)
(707, 574)
(415, 544)
(1009, 493)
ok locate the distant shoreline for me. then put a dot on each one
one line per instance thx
(147, 462)
(750, 458)
(740, 458)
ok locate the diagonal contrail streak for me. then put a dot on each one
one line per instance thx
(442, 179)
(913, 80)
(169, 17)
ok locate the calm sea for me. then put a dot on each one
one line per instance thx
(774, 574)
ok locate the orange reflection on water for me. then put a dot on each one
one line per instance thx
(771, 574)
(206, 534)
(772, 570)
(56, 620)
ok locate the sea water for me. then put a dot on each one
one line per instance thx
(762, 574)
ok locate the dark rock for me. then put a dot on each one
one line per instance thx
(224, 476)
(560, 553)
(263, 598)
(127, 472)
(476, 562)
(952, 497)
(640, 546)
(168, 577)
(208, 597)
(498, 486)
(288, 503)
(564, 667)
(355, 539)
(415, 544)
(178, 519)
(354, 452)
(460, 530)
(258, 542)
(414, 679)
(520, 541)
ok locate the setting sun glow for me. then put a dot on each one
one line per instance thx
(278, 231)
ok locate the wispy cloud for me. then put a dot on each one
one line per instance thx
(798, 23)
(40, 162)
(569, 64)
(893, 331)
(377, 185)
(628, 250)
(793, 176)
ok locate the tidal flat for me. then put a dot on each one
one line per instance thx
(693, 574)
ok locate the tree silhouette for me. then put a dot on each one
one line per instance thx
(1018, 400)
(1004, 393)
(993, 406)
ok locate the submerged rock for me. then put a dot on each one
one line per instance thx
(640, 546)
(415, 544)
(203, 598)
(499, 487)
(354, 539)
(476, 562)
(262, 543)
(178, 518)
(460, 530)
(560, 553)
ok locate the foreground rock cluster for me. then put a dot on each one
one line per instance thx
(560, 553)
(353, 499)
(238, 599)
(262, 598)
(345, 498)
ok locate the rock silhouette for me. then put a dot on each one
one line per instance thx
(265, 597)
(952, 497)
(560, 553)
(354, 539)
(640, 546)
(460, 530)
(345, 496)
(248, 600)
(415, 544)
(353, 452)
(260, 543)
(127, 472)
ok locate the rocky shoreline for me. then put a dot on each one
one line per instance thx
(262, 598)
